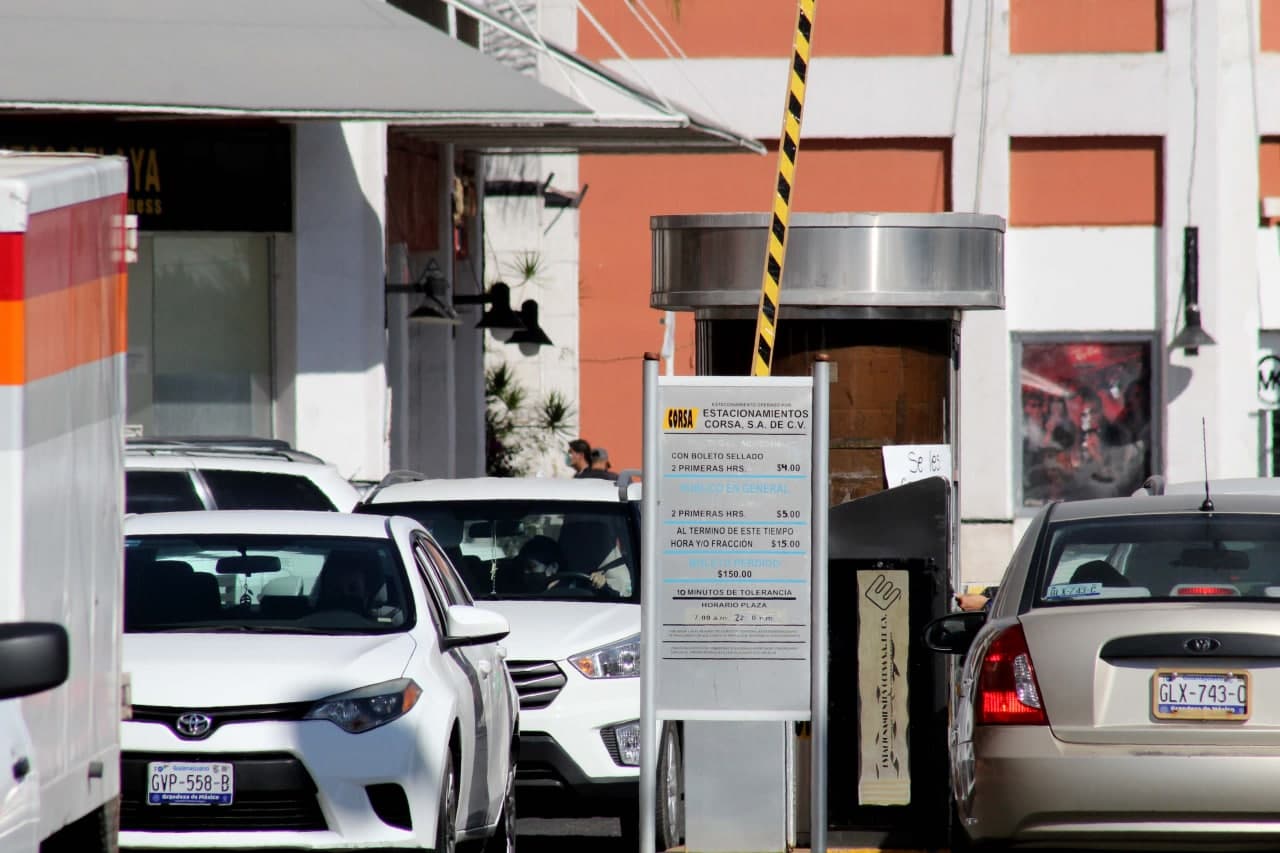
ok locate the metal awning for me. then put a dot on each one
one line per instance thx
(336, 59)
(297, 59)
(624, 116)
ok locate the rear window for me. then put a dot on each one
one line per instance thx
(260, 490)
(547, 550)
(160, 491)
(264, 584)
(1202, 555)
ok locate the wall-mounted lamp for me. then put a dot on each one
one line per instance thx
(1193, 336)
(436, 304)
(531, 337)
(498, 318)
(502, 322)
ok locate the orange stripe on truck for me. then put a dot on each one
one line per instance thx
(59, 330)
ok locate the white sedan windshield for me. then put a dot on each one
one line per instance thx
(268, 584)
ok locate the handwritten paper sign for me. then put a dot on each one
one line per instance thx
(906, 463)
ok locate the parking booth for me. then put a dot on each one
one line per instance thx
(882, 296)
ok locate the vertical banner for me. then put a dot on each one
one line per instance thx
(884, 776)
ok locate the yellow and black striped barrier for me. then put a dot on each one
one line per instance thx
(789, 146)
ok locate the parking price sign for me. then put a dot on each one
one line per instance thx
(733, 544)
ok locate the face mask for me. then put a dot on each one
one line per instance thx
(568, 459)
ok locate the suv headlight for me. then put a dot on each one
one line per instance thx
(616, 660)
(369, 707)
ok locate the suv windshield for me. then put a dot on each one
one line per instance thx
(265, 584)
(1162, 557)
(563, 550)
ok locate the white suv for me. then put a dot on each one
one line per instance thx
(560, 559)
(180, 474)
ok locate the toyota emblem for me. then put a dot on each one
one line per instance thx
(193, 725)
(1201, 645)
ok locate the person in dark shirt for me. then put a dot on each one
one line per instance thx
(578, 457)
(600, 466)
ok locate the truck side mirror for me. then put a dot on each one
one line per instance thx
(34, 656)
(954, 633)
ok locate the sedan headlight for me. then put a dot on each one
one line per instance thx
(616, 660)
(369, 707)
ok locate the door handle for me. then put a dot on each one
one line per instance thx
(21, 768)
(485, 668)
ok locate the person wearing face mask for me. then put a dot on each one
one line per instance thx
(539, 560)
(578, 457)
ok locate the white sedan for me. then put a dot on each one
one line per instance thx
(309, 680)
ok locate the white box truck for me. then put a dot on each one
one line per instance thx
(62, 375)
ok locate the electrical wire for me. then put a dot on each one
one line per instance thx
(989, 20)
(675, 46)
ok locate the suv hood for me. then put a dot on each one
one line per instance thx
(221, 670)
(554, 630)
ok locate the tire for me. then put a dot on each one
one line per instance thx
(447, 815)
(669, 809)
(96, 832)
(503, 839)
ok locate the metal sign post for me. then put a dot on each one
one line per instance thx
(734, 560)
(819, 652)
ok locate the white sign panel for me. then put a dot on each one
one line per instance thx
(734, 502)
(906, 463)
(884, 775)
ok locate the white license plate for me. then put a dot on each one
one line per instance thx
(189, 783)
(1200, 695)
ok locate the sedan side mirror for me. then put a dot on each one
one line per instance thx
(473, 626)
(34, 657)
(954, 633)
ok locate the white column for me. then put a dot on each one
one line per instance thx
(980, 184)
(1211, 181)
(338, 390)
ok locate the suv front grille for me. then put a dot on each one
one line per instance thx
(537, 682)
(272, 791)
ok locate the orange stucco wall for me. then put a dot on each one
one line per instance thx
(766, 28)
(1085, 26)
(617, 325)
(1268, 172)
(1085, 181)
(1270, 30)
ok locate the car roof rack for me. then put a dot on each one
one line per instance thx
(626, 477)
(1153, 485)
(400, 475)
(275, 448)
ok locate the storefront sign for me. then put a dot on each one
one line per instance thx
(183, 175)
(1269, 380)
(735, 494)
(884, 775)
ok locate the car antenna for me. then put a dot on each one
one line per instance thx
(1207, 506)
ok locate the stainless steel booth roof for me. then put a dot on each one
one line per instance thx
(307, 59)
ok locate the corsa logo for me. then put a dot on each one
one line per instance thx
(678, 419)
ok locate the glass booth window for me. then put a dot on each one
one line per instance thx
(1085, 419)
(200, 335)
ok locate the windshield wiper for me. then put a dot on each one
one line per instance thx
(197, 628)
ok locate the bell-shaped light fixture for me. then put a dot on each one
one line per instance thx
(1193, 336)
(498, 318)
(531, 337)
(437, 304)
